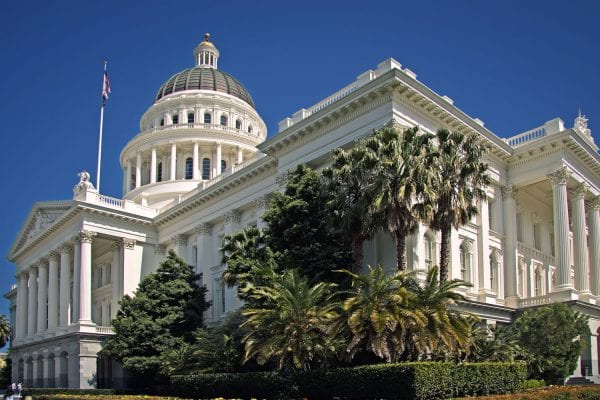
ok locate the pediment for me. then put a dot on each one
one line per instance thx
(41, 219)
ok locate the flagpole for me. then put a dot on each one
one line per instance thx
(100, 135)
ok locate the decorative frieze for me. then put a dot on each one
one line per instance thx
(559, 177)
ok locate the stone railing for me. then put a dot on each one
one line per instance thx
(105, 330)
(549, 128)
(535, 254)
(535, 301)
(93, 197)
(200, 125)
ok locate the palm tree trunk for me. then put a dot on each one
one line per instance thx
(400, 251)
(358, 254)
(445, 253)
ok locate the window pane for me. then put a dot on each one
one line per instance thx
(188, 168)
(207, 118)
(159, 173)
(190, 118)
(223, 120)
(205, 168)
(175, 119)
(223, 166)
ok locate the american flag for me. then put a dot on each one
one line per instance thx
(105, 86)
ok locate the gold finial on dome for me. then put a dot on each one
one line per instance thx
(207, 37)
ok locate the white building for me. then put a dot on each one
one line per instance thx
(201, 168)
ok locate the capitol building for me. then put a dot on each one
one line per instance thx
(201, 167)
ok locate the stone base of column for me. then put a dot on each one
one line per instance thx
(513, 301)
(588, 297)
(564, 293)
(487, 296)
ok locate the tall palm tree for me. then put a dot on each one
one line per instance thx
(290, 327)
(377, 314)
(400, 181)
(5, 333)
(460, 180)
(350, 179)
(446, 330)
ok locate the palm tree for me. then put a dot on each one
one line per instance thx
(377, 314)
(5, 333)
(445, 330)
(400, 182)
(290, 328)
(460, 181)
(350, 179)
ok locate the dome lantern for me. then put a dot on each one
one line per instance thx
(206, 54)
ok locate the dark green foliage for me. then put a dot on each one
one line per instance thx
(533, 384)
(6, 373)
(422, 381)
(299, 230)
(162, 316)
(550, 337)
(4, 330)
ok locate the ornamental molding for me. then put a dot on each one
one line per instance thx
(467, 245)
(86, 236)
(232, 217)
(509, 192)
(559, 177)
(128, 244)
(204, 229)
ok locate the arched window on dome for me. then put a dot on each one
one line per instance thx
(159, 172)
(206, 168)
(250, 128)
(223, 166)
(175, 119)
(238, 124)
(189, 174)
(224, 120)
(190, 118)
(207, 118)
(162, 122)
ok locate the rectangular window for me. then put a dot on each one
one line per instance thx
(537, 239)
(218, 298)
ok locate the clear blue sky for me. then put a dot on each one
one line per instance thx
(514, 64)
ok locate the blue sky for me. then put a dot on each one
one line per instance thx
(513, 64)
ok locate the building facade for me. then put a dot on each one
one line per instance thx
(201, 167)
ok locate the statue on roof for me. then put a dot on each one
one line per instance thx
(581, 125)
(84, 184)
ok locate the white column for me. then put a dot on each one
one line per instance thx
(45, 378)
(128, 177)
(580, 247)
(240, 155)
(138, 170)
(483, 252)
(203, 238)
(32, 301)
(561, 227)
(65, 285)
(195, 172)
(22, 296)
(115, 267)
(76, 279)
(173, 161)
(132, 261)
(218, 162)
(153, 165)
(42, 301)
(594, 240)
(509, 205)
(52, 290)
(85, 283)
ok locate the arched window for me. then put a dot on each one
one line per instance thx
(159, 172)
(224, 120)
(162, 122)
(207, 118)
(465, 260)
(249, 128)
(189, 173)
(175, 119)
(429, 241)
(238, 124)
(206, 168)
(494, 270)
(190, 118)
(538, 279)
(223, 166)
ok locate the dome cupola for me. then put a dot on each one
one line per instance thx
(206, 54)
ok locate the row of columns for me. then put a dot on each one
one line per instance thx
(585, 222)
(196, 168)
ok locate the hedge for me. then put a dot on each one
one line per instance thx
(417, 380)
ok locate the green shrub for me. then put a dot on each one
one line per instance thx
(415, 380)
(533, 384)
(38, 392)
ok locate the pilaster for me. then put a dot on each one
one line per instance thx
(173, 169)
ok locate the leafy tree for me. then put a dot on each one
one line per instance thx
(399, 181)
(552, 337)
(459, 177)
(495, 343)
(4, 330)
(290, 330)
(299, 231)
(162, 316)
(377, 314)
(350, 179)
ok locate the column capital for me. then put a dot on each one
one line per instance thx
(595, 203)
(559, 177)
(231, 217)
(509, 192)
(580, 190)
(127, 243)
(160, 249)
(42, 262)
(85, 236)
(179, 240)
(262, 201)
(53, 255)
(204, 229)
(65, 248)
